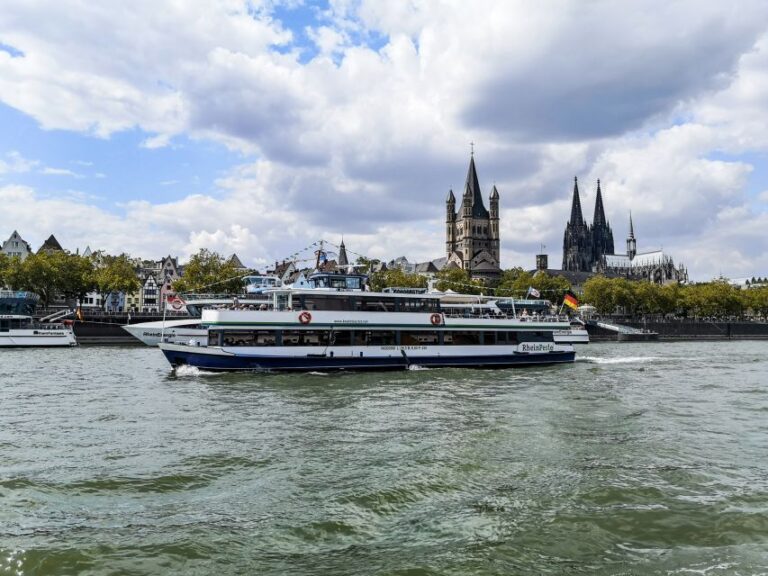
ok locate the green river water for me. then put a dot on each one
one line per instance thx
(647, 458)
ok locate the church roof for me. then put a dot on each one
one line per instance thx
(343, 255)
(472, 192)
(485, 266)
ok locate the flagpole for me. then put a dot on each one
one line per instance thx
(165, 307)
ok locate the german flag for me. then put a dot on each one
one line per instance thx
(570, 300)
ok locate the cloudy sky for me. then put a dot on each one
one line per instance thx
(258, 127)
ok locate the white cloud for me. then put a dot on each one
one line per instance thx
(367, 141)
(48, 171)
(15, 163)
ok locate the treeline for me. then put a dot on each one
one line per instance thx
(716, 299)
(70, 276)
(608, 295)
(59, 274)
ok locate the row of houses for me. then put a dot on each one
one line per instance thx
(155, 277)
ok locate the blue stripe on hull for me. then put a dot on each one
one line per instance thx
(251, 363)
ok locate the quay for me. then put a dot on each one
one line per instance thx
(680, 329)
(99, 328)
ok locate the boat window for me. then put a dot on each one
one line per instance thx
(4, 325)
(341, 338)
(418, 338)
(380, 305)
(353, 283)
(380, 338)
(249, 338)
(489, 338)
(305, 337)
(462, 338)
(526, 336)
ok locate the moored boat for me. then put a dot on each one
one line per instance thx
(19, 329)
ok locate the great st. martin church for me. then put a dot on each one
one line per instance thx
(472, 233)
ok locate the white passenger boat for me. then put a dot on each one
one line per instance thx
(184, 330)
(19, 329)
(304, 329)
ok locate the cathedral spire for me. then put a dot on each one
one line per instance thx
(577, 219)
(472, 192)
(631, 227)
(599, 218)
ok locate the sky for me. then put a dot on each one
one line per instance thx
(258, 127)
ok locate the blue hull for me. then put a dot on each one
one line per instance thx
(305, 363)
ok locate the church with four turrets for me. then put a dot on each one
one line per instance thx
(472, 233)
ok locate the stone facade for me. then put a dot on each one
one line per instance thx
(590, 248)
(472, 233)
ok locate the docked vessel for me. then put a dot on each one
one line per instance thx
(19, 329)
(311, 329)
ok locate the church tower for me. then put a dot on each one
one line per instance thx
(577, 240)
(495, 247)
(602, 235)
(472, 233)
(631, 243)
(450, 223)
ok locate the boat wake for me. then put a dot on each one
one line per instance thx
(619, 360)
(186, 371)
(416, 367)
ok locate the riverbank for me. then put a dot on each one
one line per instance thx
(689, 330)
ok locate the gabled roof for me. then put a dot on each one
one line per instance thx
(51, 245)
(425, 268)
(236, 261)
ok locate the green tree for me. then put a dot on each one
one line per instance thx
(458, 280)
(599, 292)
(38, 273)
(5, 264)
(75, 276)
(396, 277)
(115, 274)
(208, 271)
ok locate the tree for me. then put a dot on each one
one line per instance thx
(38, 274)
(396, 277)
(599, 292)
(115, 274)
(5, 264)
(74, 276)
(458, 280)
(208, 271)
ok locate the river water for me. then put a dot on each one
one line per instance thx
(647, 458)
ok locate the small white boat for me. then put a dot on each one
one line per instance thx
(19, 329)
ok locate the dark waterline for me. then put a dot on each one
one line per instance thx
(638, 459)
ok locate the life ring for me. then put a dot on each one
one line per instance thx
(177, 304)
(305, 317)
(436, 319)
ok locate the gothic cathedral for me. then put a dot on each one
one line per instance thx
(472, 233)
(585, 245)
(589, 248)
